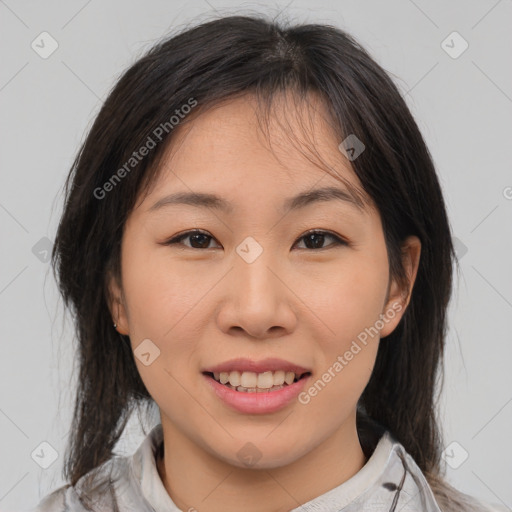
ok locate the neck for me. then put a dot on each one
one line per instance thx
(195, 479)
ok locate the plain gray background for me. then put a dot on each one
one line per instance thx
(463, 105)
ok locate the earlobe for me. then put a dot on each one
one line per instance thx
(117, 307)
(120, 323)
(399, 296)
(411, 254)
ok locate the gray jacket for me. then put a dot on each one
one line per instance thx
(389, 481)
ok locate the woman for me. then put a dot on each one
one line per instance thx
(257, 214)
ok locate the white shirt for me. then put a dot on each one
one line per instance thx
(389, 481)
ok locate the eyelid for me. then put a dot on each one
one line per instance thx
(339, 240)
(176, 238)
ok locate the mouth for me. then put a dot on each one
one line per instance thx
(252, 382)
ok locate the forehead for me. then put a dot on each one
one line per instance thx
(236, 147)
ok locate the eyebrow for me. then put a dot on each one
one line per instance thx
(299, 201)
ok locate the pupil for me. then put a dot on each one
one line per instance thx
(194, 237)
(311, 238)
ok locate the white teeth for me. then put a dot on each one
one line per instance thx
(234, 378)
(279, 378)
(248, 381)
(265, 380)
(288, 378)
(254, 390)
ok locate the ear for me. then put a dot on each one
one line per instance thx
(117, 305)
(399, 296)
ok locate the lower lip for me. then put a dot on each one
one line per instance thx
(257, 403)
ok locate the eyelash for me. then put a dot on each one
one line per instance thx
(337, 240)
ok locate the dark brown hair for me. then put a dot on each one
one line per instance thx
(227, 58)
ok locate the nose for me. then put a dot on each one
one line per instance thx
(257, 301)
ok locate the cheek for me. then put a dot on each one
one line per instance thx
(346, 368)
(348, 297)
(163, 304)
(160, 293)
(349, 302)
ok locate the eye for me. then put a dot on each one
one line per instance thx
(201, 239)
(198, 239)
(315, 239)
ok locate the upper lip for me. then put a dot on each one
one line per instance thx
(265, 365)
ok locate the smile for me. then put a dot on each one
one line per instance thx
(251, 382)
(256, 400)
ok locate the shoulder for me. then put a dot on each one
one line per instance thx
(100, 489)
(435, 493)
(123, 483)
(61, 499)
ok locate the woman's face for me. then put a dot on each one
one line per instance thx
(254, 285)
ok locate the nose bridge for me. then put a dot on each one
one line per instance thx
(258, 300)
(253, 277)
